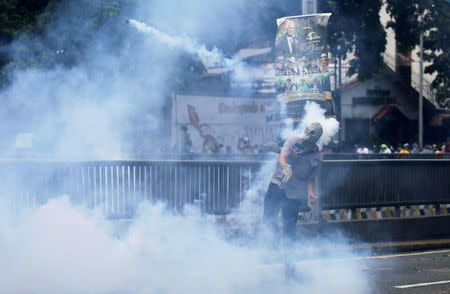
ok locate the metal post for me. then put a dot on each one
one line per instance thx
(335, 74)
(421, 93)
(340, 71)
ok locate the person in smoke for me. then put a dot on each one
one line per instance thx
(288, 44)
(293, 181)
(385, 149)
(324, 63)
(245, 146)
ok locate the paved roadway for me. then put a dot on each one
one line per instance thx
(414, 272)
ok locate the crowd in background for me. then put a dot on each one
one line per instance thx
(245, 146)
(406, 148)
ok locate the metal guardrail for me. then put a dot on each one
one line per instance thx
(375, 183)
(117, 187)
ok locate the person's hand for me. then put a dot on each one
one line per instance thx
(313, 198)
(287, 172)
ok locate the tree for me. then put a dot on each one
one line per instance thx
(355, 26)
(433, 17)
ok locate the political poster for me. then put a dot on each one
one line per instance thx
(301, 63)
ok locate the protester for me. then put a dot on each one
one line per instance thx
(244, 146)
(362, 150)
(293, 181)
(384, 149)
(436, 150)
(404, 149)
(447, 145)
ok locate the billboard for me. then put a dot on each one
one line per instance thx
(218, 124)
(301, 63)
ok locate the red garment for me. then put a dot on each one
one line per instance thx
(447, 148)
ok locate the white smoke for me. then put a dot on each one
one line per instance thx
(313, 113)
(214, 56)
(88, 112)
(59, 248)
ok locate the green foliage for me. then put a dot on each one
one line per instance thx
(66, 42)
(355, 27)
(433, 17)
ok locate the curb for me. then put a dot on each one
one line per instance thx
(419, 245)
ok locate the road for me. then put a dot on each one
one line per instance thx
(415, 272)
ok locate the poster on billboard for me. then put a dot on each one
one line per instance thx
(301, 63)
(208, 124)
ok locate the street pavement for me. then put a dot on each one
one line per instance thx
(413, 272)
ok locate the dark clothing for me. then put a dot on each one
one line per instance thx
(305, 166)
(280, 72)
(291, 197)
(275, 200)
(291, 71)
(282, 46)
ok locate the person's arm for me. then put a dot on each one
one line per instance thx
(282, 159)
(312, 197)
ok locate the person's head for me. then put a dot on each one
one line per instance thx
(290, 27)
(302, 62)
(315, 81)
(313, 132)
(302, 81)
(280, 62)
(406, 146)
(291, 61)
(323, 58)
(383, 146)
(288, 82)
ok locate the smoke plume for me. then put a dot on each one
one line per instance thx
(108, 104)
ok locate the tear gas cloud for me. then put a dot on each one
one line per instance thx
(187, 44)
(88, 112)
(61, 248)
(313, 113)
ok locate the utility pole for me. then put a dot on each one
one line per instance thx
(340, 71)
(420, 119)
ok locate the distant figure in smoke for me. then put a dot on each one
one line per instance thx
(293, 180)
(186, 142)
(324, 63)
(245, 146)
(288, 44)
